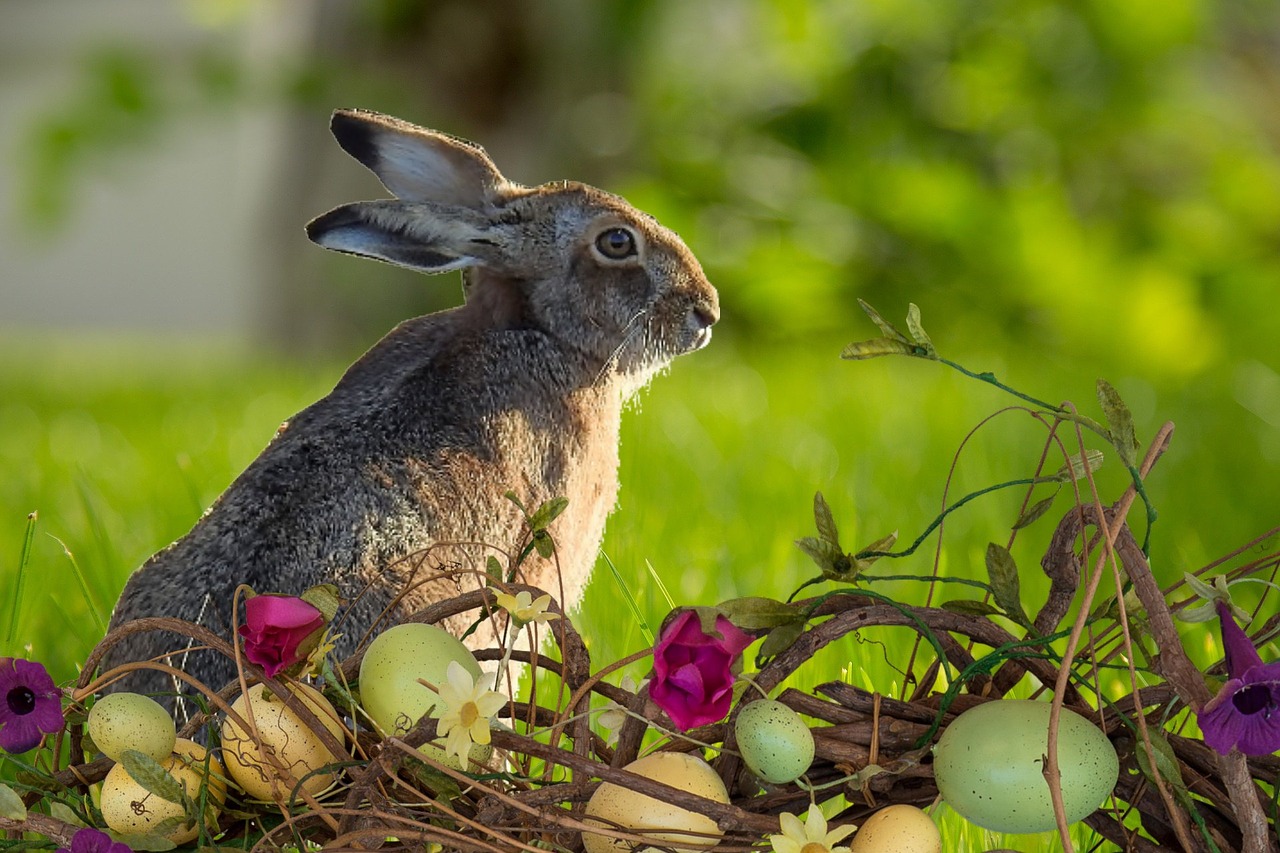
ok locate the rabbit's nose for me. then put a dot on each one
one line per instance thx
(701, 319)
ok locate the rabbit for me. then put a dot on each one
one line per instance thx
(573, 301)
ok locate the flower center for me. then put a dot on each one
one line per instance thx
(21, 700)
(469, 714)
(815, 847)
(1252, 699)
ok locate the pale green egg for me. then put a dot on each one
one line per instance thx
(774, 742)
(988, 765)
(120, 721)
(390, 691)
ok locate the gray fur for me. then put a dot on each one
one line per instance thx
(521, 389)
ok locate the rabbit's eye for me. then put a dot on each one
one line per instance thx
(616, 243)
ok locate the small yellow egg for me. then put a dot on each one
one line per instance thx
(897, 829)
(293, 743)
(130, 809)
(120, 721)
(668, 825)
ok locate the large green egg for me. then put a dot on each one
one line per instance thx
(390, 691)
(989, 762)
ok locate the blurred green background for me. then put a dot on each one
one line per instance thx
(1067, 190)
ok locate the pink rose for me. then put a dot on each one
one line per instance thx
(692, 671)
(277, 629)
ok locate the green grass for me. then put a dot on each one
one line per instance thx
(119, 448)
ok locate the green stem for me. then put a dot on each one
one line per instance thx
(21, 580)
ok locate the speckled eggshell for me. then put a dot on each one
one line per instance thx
(897, 829)
(284, 734)
(774, 742)
(616, 805)
(988, 765)
(120, 721)
(130, 809)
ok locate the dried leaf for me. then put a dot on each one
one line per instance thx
(971, 607)
(1165, 761)
(824, 520)
(885, 326)
(917, 331)
(326, 598)
(11, 804)
(876, 347)
(1074, 468)
(148, 773)
(1006, 586)
(756, 613)
(1119, 423)
(65, 813)
(823, 553)
(1035, 512)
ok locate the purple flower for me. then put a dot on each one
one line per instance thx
(1246, 712)
(30, 705)
(90, 840)
(692, 671)
(279, 631)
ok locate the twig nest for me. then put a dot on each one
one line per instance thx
(667, 824)
(897, 829)
(131, 809)
(989, 766)
(293, 744)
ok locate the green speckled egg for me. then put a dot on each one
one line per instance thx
(120, 721)
(775, 743)
(988, 766)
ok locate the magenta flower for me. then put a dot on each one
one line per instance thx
(30, 705)
(279, 631)
(90, 840)
(1246, 712)
(693, 671)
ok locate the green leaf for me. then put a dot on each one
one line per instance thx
(1206, 612)
(65, 813)
(1200, 588)
(756, 613)
(1035, 512)
(326, 598)
(1074, 467)
(150, 842)
(11, 804)
(823, 553)
(1165, 761)
(148, 773)
(493, 569)
(547, 513)
(884, 543)
(917, 331)
(824, 520)
(971, 607)
(885, 326)
(780, 639)
(1005, 583)
(1119, 423)
(876, 347)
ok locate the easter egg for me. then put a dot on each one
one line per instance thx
(774, 742)
(130, 809)
(899, 828)
(988, 765)
(295, 745)
(668, 825)
(120, 721)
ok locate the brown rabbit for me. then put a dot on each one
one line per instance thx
(574, 300)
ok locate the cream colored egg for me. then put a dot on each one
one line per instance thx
(897, 829)
(120, 721)
(130, 809)
(294, 744)
(668, 825)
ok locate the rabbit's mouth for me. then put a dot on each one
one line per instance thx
(700, 320)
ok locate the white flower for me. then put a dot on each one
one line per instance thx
(524, 608)
(810, 836)
(468, 709)
(614, 715)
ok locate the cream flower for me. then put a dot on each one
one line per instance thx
(614, 715)
(468, 709)
(810, 836)
(524, 608)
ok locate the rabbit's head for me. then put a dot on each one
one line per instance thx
(575, 262)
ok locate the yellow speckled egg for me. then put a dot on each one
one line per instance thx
(989, 762)
(130, 809)
(668, 825)
(897, 829)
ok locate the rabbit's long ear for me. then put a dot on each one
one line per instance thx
(417, 164)
(430, 238)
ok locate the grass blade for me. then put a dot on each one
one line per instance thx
(631, 599)
(95, 606)
(27, 540)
